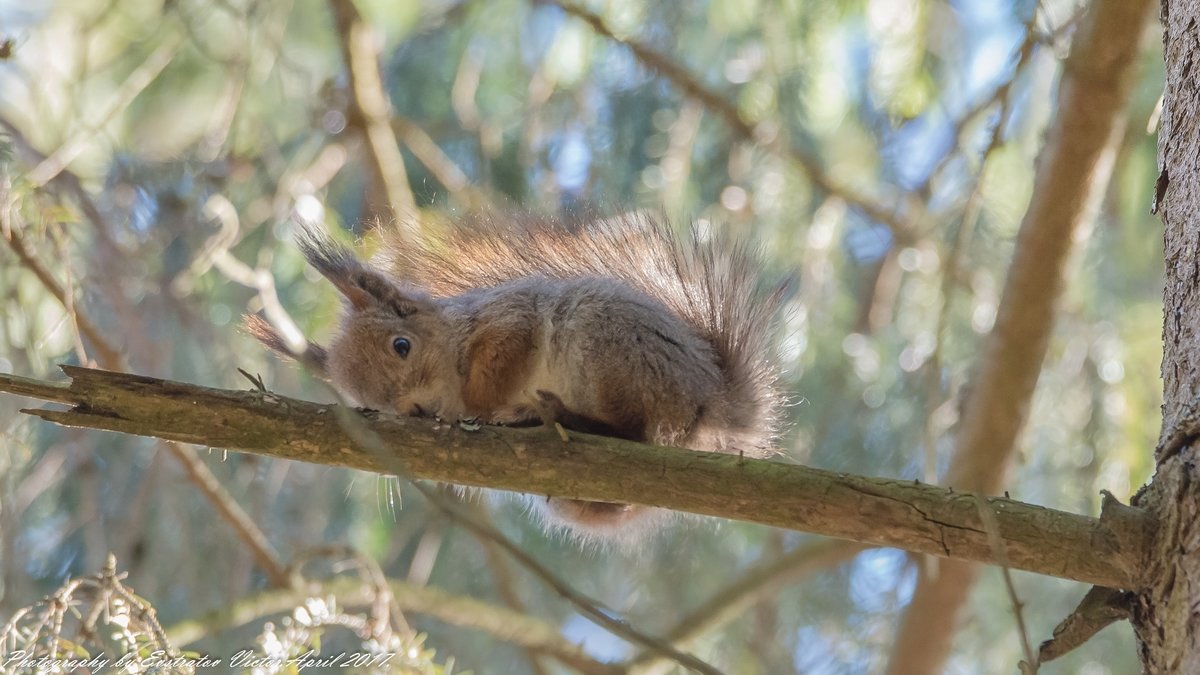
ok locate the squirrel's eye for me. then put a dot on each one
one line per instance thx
(401, 345)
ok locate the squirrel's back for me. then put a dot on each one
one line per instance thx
(712, 283)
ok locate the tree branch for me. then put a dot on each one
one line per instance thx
(903, 514)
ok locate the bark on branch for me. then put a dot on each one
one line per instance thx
(902, 514)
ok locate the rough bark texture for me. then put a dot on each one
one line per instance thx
(903, 514)
(1165, 617)
(1073, 173)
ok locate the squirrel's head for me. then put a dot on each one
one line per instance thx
(393, 352)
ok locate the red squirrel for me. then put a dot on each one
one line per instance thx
(618, 327)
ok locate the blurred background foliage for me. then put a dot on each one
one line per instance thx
(164, 114)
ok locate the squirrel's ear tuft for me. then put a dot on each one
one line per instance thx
(314, 356)
(361, 284)
(336, 263)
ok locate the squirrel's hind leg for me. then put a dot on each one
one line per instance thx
(551, 409)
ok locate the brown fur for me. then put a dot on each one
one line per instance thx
(618, 327)
(497, 357)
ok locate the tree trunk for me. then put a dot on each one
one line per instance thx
(1165, 617)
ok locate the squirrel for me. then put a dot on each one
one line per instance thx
(617, 327)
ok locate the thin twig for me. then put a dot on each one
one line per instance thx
(992, 525)
(60, 246)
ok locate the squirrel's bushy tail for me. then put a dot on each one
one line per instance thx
(711, 282)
